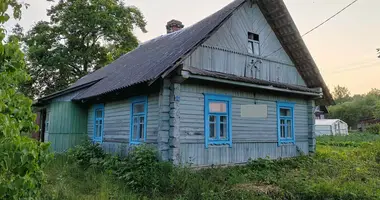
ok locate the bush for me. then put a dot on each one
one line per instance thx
(87, 155)
(22, 160)
(143, 172)
(374, 128)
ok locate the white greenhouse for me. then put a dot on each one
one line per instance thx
(330, 127)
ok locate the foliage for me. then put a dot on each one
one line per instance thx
(87, 154)
(335, 172)
(21, 158)
(359, 107)
(80, 37)
(22, 161)
(374, 128)
(341, 94)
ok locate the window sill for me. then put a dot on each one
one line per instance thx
(286, 143)
(136, 143)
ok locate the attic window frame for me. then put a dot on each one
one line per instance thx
(253, 39)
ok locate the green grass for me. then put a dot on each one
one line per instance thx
(335, 172)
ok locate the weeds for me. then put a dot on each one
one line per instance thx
(336, 172)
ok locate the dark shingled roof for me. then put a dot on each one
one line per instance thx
(151, 59)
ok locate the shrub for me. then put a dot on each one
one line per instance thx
(142, 171)
(22, 160)
(374, 128)
(87, 155)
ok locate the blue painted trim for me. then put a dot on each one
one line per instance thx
(94, 138)
(287, 105)
(136, 100)
(217, 141)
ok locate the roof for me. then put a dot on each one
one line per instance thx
(232, 77)
(326, 122)
(151, 59)
(281, 21)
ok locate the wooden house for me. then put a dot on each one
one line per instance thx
(238, 84)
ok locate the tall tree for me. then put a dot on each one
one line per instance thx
(341, 94)
(81, 36)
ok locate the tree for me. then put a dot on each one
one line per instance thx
(341, 94)
(21, 158)
(82, 36)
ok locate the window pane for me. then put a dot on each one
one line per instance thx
(141, 129)
(282, 128)
(251, 35)
(212, 131)
(138, 108)
(223, 130)
(100, 130)
(212, 119)
(285, 112)
(218, 107)
(99, 113)
(256, 48)
(256, 37)
(250, 47)
(289, 126)
(135, 128)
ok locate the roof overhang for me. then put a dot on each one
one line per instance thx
(190, 72)
(280, 20)
(41, 101)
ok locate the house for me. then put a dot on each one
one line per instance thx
(321, 112)
(239, 84)
(330, 127)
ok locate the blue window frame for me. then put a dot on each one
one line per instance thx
(285, 123)
(98, 123)
(139, 110)
(218, 120)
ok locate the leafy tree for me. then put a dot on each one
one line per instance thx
(341, 94)
(21, 158)
(81, 36)
(358, 107)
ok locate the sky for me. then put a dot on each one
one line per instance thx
(344, 48)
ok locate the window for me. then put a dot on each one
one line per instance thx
(218, 127)
(98, 122)
(253, 44)
(139, 108)
(285, 123)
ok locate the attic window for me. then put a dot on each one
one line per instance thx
(253, 44)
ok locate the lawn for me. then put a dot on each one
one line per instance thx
(344, 167)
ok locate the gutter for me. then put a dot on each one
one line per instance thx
(317, 94)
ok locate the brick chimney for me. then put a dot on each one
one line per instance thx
(173, 26)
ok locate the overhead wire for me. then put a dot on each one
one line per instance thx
(316, 27)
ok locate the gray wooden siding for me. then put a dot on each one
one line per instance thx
(226, 50)
(197, 155)
(255, 131)
(117, 120)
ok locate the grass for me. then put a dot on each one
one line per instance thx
(337, 171)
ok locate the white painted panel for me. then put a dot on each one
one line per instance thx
(254, 111)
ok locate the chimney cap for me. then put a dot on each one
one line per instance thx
(174, 25)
